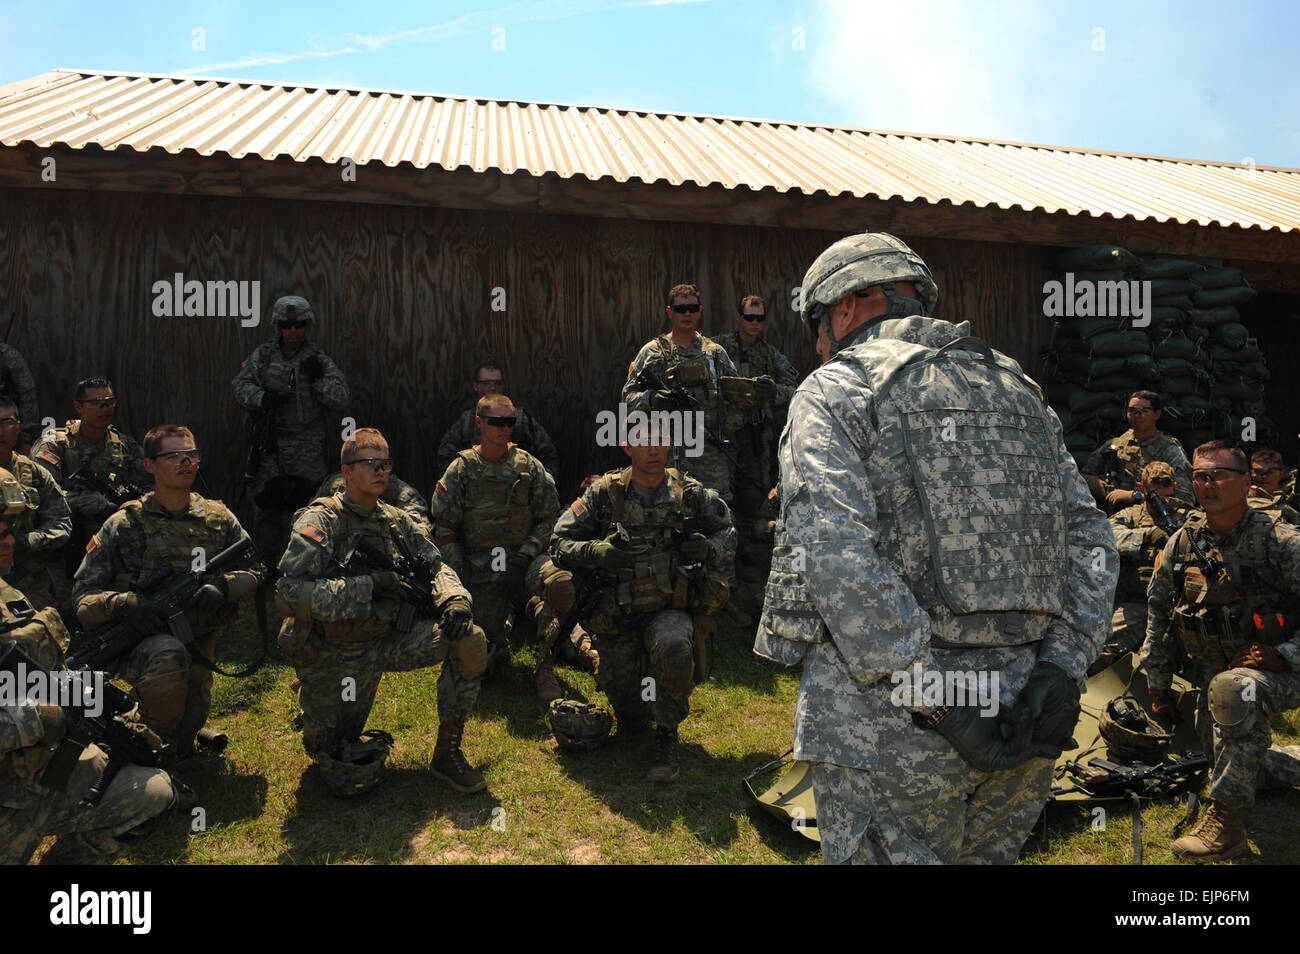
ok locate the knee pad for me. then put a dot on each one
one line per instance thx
(470, 654)
(164, 686)
(1232, 697)
(559, 591)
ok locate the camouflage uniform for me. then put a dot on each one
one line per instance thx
(141, 538)
(853, 592)
(487, 512)
(1122, 470)
(118, 460)
(528, 434)
(299, 435)
(1255, 599)
(696, 368)
(20, 384)
(399, 494)
(28, 810)
(336, 627)
(755, 443)
(645, 616)
(40, 535)
(1273, 504)
(1133, 527)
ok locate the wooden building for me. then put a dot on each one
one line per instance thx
(429, 232)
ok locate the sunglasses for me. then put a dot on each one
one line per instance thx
(686, 309)
(192, 456)
(754, 317)
(377, 464)
(1214, 475)
(287, 325)
(100, 402)
(499, 421)
(1161, 481)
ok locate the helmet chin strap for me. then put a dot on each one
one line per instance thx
(898, 306)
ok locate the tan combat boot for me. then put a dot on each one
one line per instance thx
(548, 687)
(1218, 837)
(449, 762)
(665, 767)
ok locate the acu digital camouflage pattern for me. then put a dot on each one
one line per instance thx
(303, 427)
(697, 368)
(1133, 527)
(655, 639)
(352, 630)
(144, 536)
(1118, 464)
(30, 811)
(118, 459)
(40, 534)
(528, 433)
(398, 494)
(1260, 575)
(18, 382)
(853, 592)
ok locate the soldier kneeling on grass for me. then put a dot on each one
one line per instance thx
(351, 565)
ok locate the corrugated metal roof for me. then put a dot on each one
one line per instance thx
(245, 118)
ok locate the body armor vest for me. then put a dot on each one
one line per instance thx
(1237, 600)
(498, 505)
(111, 460)
(23, 468)
(653, 583)
(697, 372)
(967, 454)
(1136, 569)
(385, 535)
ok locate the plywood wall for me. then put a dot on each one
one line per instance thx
(404, 299)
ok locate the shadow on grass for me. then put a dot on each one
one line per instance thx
(378, 826)
(224, 798)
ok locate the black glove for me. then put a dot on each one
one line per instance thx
(978, 739)
(457, 621)
(273, 399)
(313, 367)
(663, 401)
(1049, 703)
(211, 596)
(516, 569)
(140, 611)
(694, 549)
(385, 582)
(765, 389)
(608, 557)
(1156, 538)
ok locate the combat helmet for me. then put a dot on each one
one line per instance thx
(354, 768)
(1131, 735)
(579, 726)
(291, 308)
(856, 263)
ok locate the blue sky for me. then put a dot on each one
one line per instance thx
(1209, 80)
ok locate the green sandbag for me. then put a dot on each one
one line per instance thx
(1091, 276)
(1219, 297)
(1178, 345)
(1230, 336)
(1141, 366)
(1120, 342)
(1096, 258)
(1213, 317)
(1163, 288)
(1115, 384)
(1078, 400)
(1084, 328)
(1181, 302)
(1167, 268)
(1082, 364)
(1168, 364)
(1218, 278)
(1234, 391)
(1161, 314)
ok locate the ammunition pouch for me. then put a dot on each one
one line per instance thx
(691, 374)
(652, 584)
(299, 643)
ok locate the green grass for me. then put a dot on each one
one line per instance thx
(265, 803)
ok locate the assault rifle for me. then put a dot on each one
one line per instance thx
(414, 577)
(117, 491)
(1101, 778)
(124, 745)
(1165, 518)
(173, 593)
(648, 379)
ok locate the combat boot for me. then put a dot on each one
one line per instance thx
(665, 767)
(1220, 836)
(548, 687)
(449, 762)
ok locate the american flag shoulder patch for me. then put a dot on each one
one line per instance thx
(577, 508)
(313, 532)
(47, 455)
(771, 494)
(440, 489)
(92, 543)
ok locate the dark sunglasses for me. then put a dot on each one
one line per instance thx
(377, 464)
(686, 309)
(754, 317)
(499, 421)
(1161, 481)
(286, 325)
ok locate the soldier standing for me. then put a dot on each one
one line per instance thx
(43, 529)
(1114, 469)
(20, 385)
(528, 432)
(493, 511)
(1232, 608)
(293, 391)
(933, 525)
(665, 545)
(341, 623)
(163, 530)
(686, 359)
